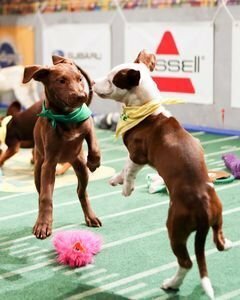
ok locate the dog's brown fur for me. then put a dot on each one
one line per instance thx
(64, 91)
(20, 129)
(162, 142)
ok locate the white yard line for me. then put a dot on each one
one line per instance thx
(26, 269)
(113, 215)
(144, 294)
(235, 137)
(90, 274)
(197, 133)
(33, 211)
(134, 237)
(14, 246)
(51, 261)
(59, 267)
(82, 269)
(221, 152)
(102, 278)
(35, 252)
(135, 277)
(229, 295)
(24, 250)
(131, 288)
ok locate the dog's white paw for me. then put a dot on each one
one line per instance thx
(116, 179)
(127, 189)
(171, 283)
(228, 244)
(207, 286)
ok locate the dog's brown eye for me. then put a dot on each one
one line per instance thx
(62, 80)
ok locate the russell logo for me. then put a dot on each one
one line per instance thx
(8, 55)
(174, 84)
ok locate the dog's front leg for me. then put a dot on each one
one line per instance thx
(129, 174)
(44, 180)
(81, 171)
(94, 157)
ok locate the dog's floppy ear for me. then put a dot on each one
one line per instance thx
(146, 58)
(127, 79)
(60, 59)
(36, 72)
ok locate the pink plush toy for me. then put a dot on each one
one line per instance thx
(76, 247)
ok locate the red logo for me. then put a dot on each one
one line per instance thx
(174, 84)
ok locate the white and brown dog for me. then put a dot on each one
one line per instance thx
(160, 141)
(11, 80)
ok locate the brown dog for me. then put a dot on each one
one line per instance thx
(65, 95)
(19, 130)
(160, 141)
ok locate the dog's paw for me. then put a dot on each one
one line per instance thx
(92, 166)
(170, 284)
(42, 229)
(116, 179)
(93, 221)
(93, 161)
(127, 189)
(227, 245)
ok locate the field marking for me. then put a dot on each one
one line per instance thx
(33, 211)
(145, 293)
(229, 295)
(75, 202)
(235, 137)
(14, 246)
(90, 274)
(51, 261)
(131, 288)
(107, 162)
(75, 271)
(34, 253)
(57, 268)
(137, 276)
(24, 250)
(26, 269)
(197, 133)
(112, 215)
(134, 237)
(102, 278)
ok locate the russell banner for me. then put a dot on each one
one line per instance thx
(235, 97)
(87, 44)
(184, 53)
(16, 45)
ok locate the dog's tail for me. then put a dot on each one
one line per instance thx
(89, 82)
(200, 239)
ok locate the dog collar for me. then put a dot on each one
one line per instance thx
(3, 128)
(133, 115)
(80, 114)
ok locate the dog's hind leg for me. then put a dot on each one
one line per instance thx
(218, 236)
(184, 265)
(200, 239)
(81, 171)
(178, 234)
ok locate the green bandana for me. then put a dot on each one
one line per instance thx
(78, 115)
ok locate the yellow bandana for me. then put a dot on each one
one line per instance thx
(3, 128)
(133, 115)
